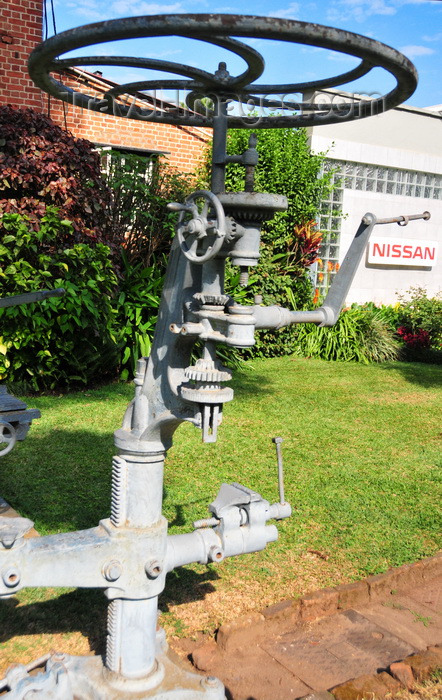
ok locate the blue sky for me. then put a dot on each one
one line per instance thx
(411, 26)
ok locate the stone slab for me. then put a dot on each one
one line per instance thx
(253, 674)
(334, 650)
(415, 618)
(430, 595)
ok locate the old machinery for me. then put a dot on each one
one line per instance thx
(129, 554)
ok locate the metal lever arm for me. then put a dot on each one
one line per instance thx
(30, 297)
(328, 313)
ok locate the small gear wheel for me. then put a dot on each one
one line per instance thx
(204, 387)
(207, 393)
(207, 371)
(211, 299)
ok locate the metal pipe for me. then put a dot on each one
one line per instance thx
(132, 624)
(144, 489)
(30, 297)
(278, 441)
(402, 220)
(219, 147)
(341, 284)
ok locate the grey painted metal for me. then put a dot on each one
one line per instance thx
(30, 297)
(129, 554)
(220, 87)
(402, 220)
(199, 227)
(278, 442)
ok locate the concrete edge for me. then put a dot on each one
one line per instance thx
(8, 512)
(328, 601)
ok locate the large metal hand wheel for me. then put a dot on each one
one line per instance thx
(8, 438)
(272, 105)
(196, 230)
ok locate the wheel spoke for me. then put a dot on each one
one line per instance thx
(194, 246)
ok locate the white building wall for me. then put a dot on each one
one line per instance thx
(404, 138)
(381, 284)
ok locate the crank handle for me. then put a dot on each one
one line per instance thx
(180, 206)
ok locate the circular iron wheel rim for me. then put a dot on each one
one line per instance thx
(217, 29)
(10, 441)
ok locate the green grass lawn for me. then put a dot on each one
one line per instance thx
(362, 472)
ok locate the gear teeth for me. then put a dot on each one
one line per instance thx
(118, 495)
(207, 394)
(212, 299)
(207, 378)
(207, 371)
(113, 634)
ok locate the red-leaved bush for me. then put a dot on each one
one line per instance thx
(41, 165)
(414, 339)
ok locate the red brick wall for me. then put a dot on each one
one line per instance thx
(20, 31)
(184, 145)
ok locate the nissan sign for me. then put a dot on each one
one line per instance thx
(400, 251)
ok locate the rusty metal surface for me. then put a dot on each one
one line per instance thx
(218, 30)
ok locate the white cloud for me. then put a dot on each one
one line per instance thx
(412, 51)
(340, 57)
(90, 9)
(290, 12)
(433, 37)
(165, 54)
(359, 10)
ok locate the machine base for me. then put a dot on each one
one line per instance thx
(66, 677)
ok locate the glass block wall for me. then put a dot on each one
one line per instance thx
(366, 178)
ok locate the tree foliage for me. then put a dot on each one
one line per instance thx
(286, 166)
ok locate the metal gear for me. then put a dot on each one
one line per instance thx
(207, 376)
(207, 371)
(211, 299)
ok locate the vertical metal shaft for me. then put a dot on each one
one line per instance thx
(130, 648)
(137, 495)
(219, 147)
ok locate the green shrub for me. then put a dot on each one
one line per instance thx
(60, 341)
(419, 313)
(360, 335)
(136, 311)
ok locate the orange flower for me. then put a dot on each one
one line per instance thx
(330, 266)
(337, 267)
(320, 263)
(316, 297)
(321, 277)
